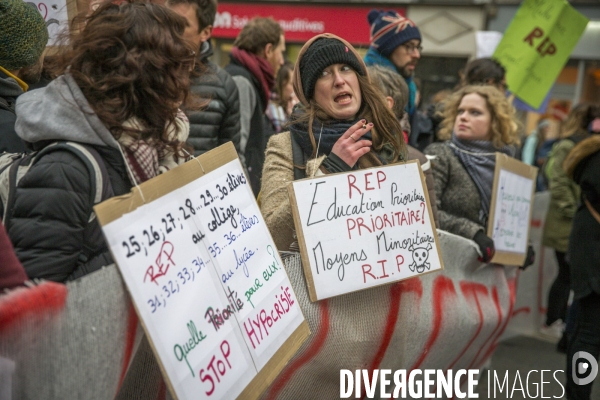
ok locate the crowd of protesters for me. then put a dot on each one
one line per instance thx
(135, 90)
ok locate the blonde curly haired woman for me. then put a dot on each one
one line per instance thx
(478, 122)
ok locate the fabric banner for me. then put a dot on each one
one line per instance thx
(536, 46)
(535, 282)
(59, 336)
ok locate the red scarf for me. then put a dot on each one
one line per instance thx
(259, 67)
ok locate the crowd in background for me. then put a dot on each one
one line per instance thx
(136, 90)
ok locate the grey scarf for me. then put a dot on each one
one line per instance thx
(479, 159)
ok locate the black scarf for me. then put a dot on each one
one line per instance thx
(329, 132)
(479, 159)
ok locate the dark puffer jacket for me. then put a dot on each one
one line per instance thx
(583, 164)
(219, 122)
(50, 225)
(9, 91)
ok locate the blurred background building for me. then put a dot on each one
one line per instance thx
(450, 30)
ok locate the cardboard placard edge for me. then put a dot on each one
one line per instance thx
(527, 171)
(151, 190)
(303, 252)
(431, 219)
(312, 292)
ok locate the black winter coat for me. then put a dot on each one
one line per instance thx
(219, 122)
(49, 225)
(584, 242)
(260, 126)
(9, 91)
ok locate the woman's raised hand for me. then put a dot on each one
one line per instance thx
(350, 147)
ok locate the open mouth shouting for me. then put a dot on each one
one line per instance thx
(343, 98)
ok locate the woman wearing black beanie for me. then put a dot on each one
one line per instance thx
(341, 124)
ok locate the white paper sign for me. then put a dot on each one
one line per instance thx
(207, 282)
(487, 41)
(56, 17)
(513, 206)
(365, 228)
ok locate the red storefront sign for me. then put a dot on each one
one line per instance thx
(300, 23)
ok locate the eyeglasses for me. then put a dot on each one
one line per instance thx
(410, 48)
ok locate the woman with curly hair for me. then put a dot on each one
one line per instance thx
(343, 124)
(122, 79)
(478, 122)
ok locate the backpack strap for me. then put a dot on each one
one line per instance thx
(100, 184)
(10, 182)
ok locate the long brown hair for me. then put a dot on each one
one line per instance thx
(386, 130)
(130, 60)
(284, 76)
(579, 118)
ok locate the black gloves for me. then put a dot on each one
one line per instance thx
(486, 246)
(529, 258)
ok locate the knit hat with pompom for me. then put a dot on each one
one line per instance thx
(389, 30)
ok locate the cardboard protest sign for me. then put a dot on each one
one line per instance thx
(536, 46)
(205, 278)
(364, 228)
(510, 209)
(57, 14)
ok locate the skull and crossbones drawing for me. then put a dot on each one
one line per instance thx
(420, 256)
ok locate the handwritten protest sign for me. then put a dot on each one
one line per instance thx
(510, 211)
(536, 46)
(205, 278)
(56, 13)
(364, 228)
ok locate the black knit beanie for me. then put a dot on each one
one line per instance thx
(320, 55)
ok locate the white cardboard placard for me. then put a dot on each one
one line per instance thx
(207, 283)
(510, 209)
(364, 228)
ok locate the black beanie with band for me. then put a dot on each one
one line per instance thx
(321, 54)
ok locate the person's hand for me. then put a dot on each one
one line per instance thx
(350, 147)
(529, 258)
(486, 246)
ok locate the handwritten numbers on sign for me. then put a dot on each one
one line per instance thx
(199, 262)
(364, 228)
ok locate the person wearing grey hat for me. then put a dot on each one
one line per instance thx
(342, 123)
(23, 36)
